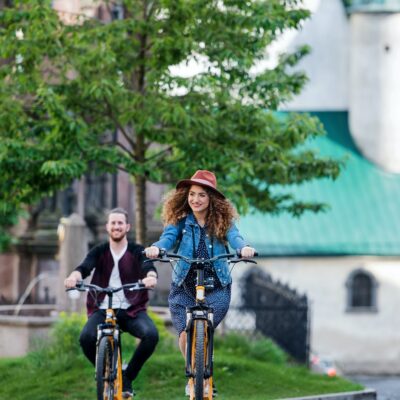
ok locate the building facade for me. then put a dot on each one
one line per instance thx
(347, 259)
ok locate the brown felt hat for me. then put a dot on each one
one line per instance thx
(203, 178)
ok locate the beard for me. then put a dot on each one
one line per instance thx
(117, 239)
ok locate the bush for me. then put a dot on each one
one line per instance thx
(165, 344)
(266, 350)
(167, 339)
(65, 333)
(63, 349)
(262, 349)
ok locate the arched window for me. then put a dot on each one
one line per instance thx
(361, 291)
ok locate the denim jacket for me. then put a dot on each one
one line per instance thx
(215, 247)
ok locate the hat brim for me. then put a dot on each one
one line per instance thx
(199, 182)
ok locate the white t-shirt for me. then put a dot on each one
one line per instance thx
(119, 299)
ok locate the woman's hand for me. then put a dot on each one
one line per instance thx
(152, 252)
(247, 252)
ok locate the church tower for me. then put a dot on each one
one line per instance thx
(374, 81)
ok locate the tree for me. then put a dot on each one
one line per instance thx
(65, 89)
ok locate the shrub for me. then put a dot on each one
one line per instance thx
(263, 349)
(266, 350)
(63, 348)
(165, 344)
(167, 339)
(66, 331)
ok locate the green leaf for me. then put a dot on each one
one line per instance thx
(125, 95)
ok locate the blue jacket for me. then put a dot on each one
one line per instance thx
(187, 228)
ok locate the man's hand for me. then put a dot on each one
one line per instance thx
(71, 281)
(247, 252)
(152, 252)
(151, 280)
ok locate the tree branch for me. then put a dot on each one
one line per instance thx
(159, 154)
(119, 126)
(120, 167)
(165, 165)
(119, 144)
(150, 10)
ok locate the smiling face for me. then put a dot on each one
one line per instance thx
(198, 200)
(117, 227)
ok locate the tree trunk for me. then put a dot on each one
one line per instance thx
(138, 83)
(140, 210)
(140, 194)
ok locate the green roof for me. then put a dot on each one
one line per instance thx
(372, 5)
(364, 214)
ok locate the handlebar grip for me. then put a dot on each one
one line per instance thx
(239, 253)
(161, 253)
(139, 286)
(78, 285)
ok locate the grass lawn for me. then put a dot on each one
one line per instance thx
(243, 370)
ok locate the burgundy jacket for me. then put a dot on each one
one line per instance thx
(131, 269)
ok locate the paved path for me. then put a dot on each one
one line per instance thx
(387, 387)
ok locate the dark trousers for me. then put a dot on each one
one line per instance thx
(141, 327)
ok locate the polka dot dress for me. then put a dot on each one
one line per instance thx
(184, 296)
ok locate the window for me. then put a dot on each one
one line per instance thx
(361, 291)
(7, 3)
(117, 11)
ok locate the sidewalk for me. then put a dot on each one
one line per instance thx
(367, 394)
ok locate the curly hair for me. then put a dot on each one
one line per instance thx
(221, 213)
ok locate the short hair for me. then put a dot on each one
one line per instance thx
(118, 210)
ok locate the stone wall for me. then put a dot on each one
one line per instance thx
(362, 341)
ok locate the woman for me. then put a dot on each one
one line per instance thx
(199, 220)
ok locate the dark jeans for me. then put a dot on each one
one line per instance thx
(141, 327)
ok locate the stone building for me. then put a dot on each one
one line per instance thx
(346, 260)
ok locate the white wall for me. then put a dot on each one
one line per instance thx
(375, 87)
(327, 32)
(359, 342)
(69, 9)
(353, 66)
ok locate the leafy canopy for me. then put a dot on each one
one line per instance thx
(178, 80)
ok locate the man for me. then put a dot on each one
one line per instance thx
(118, 262)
